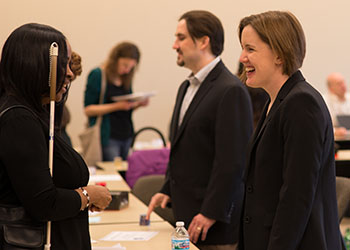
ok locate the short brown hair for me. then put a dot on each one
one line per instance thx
(203, 23)
(282, 31)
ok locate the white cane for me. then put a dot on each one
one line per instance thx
(52, 84)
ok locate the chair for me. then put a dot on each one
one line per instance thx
(343, 196)
(343, 200)
(146, 161)
(145, 187)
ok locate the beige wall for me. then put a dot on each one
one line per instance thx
(93, 27)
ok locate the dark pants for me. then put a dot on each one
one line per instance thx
(116, 148)
(218, 247)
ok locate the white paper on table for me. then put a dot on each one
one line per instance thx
(94, 213)
(93, 220)
(115, 247)
(105, 177)
(129, 236)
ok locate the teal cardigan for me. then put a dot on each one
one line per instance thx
(92, 96)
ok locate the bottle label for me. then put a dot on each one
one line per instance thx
(180, 244)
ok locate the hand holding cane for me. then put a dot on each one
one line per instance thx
(52, 84)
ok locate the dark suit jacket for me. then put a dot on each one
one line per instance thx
(207, 155)
(290, 200)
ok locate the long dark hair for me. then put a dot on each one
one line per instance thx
(25, 62)
(122, 50)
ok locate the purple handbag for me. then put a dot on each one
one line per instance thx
(147, 161)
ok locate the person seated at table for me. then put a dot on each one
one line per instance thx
(338, 101)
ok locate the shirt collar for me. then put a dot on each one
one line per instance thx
(203, 73)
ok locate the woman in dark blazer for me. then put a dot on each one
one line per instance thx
(290, 201)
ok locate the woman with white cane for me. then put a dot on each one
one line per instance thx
(29, 195)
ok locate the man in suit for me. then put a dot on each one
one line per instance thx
(210, 128)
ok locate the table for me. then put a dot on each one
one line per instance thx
(343, 141)
(119, 185)
(120, 166)
(161, 241)
(123, 166)
(130, 214)
(127, 219)
(342, 163)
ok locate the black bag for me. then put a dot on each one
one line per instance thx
(18, 231)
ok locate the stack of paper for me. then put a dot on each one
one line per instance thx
(133, 97)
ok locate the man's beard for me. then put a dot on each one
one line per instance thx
(181, 63)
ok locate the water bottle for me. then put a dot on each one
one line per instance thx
(347, 239)
(180, 238)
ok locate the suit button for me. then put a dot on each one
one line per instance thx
(250, 189)
(247, 219)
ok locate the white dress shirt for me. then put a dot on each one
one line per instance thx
(195, 82)
(337, 107)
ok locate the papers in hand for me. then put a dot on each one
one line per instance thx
(133, 97)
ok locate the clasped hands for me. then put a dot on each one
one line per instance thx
(100, 197)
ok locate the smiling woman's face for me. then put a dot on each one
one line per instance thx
(259, 60)
(68, 77)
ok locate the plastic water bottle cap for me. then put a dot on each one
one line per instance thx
(180, 223)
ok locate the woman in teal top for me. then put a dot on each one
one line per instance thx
(117, 127)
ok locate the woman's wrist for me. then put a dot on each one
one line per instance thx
(84, 197)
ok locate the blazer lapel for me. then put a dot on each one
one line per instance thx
(285, 89)
(253, 140)
(203, 90)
